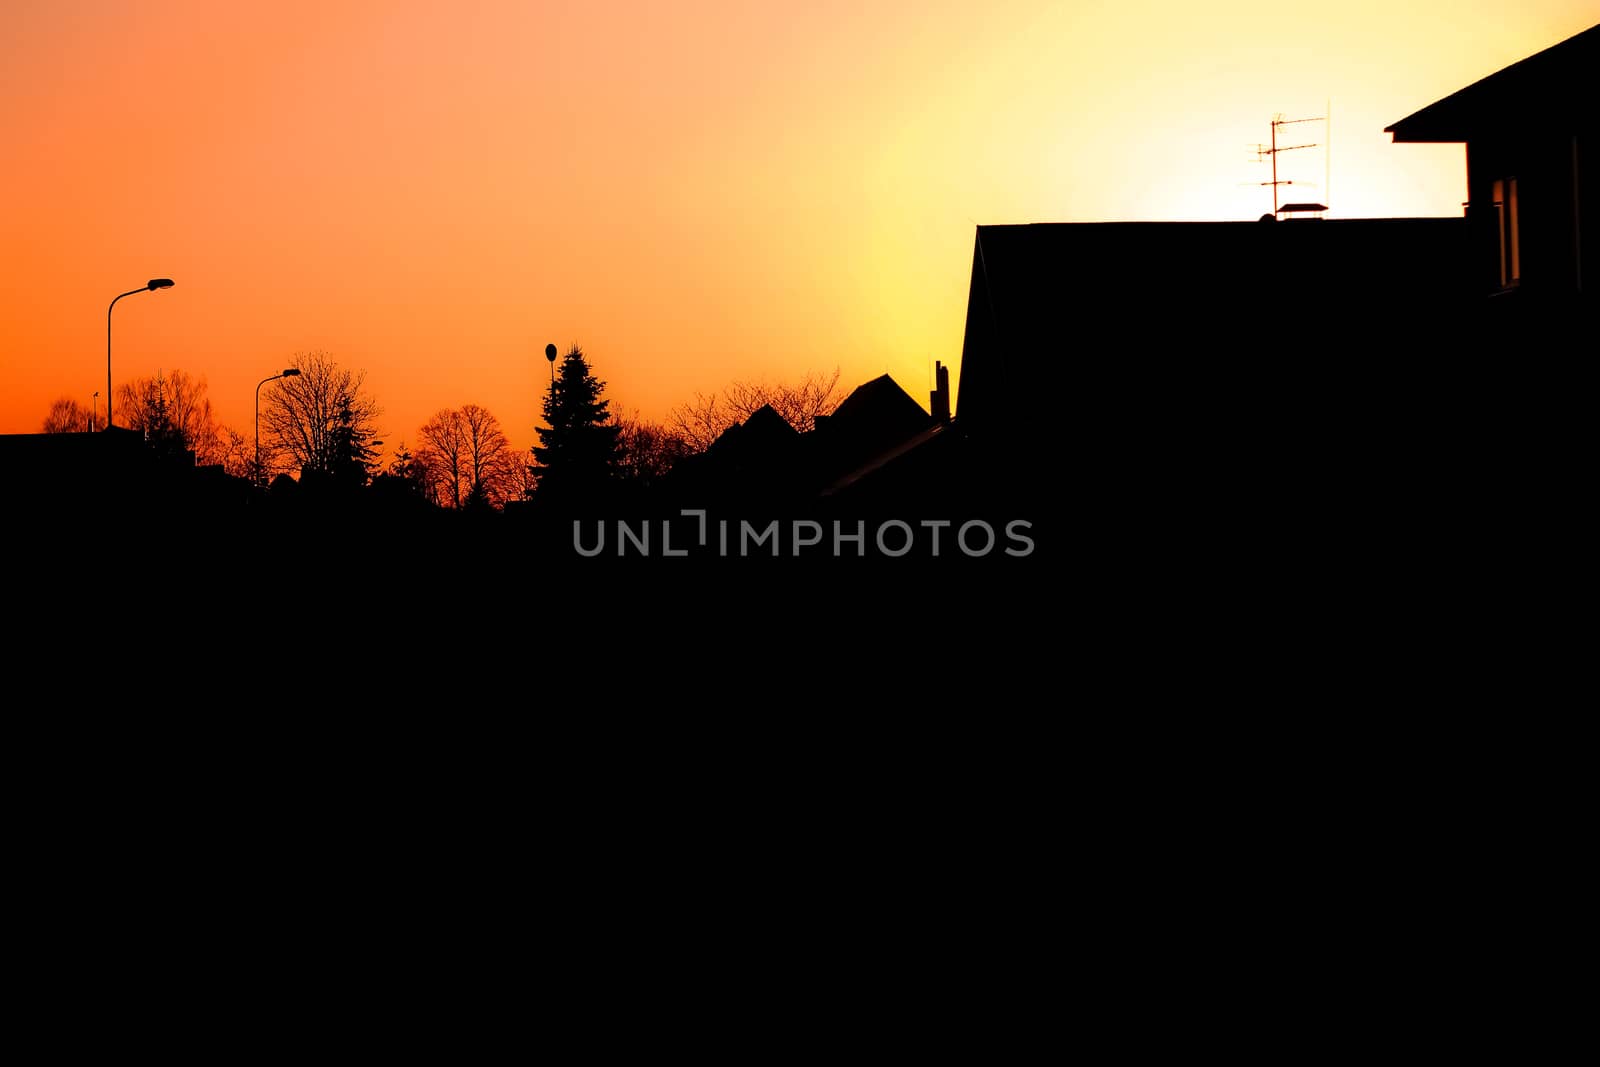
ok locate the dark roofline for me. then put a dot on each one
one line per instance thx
(1445, 121)
(1397, 220)
(883, 385)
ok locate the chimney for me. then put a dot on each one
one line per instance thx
(939, 399)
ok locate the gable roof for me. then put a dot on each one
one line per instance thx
(764, 431)
(880, 403)
(1549, 87)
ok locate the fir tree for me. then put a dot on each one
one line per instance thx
(577, 453)
(350, 458)
(409, 471)
(159, 429)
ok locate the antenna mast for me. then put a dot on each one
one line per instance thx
(1265, 151)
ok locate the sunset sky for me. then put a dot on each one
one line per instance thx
(694, 191)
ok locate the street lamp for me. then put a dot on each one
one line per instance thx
(151, 285)
(289, 372)
(550, 354)
(94, 407)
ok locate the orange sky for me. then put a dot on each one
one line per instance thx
(695, 191)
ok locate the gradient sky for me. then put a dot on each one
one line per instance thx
(695, 191)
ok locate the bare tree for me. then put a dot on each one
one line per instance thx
(468, 457)
(320, 420)
(799, 403)
(444, 455)
(523, 479)
(648, 450)
(488, 454)
(68, 416)
(702, 421)
(235, 454)
(173, 410)
(424, 471)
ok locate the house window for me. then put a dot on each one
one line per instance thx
(1505, 218)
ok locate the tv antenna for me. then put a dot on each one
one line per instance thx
(1266, 151)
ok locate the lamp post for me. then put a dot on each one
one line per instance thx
(150, 286)
(288, 372)
(94, 406)
(550, 354)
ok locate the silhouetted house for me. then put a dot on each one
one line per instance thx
(112, 476)
(870, 450)
(1147, 345)
(871, 442)
(760, 439)
(875, 416)
(1533, 169)
(753, 462)
(1298, 375)
(1133, 333)
(80, 471)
